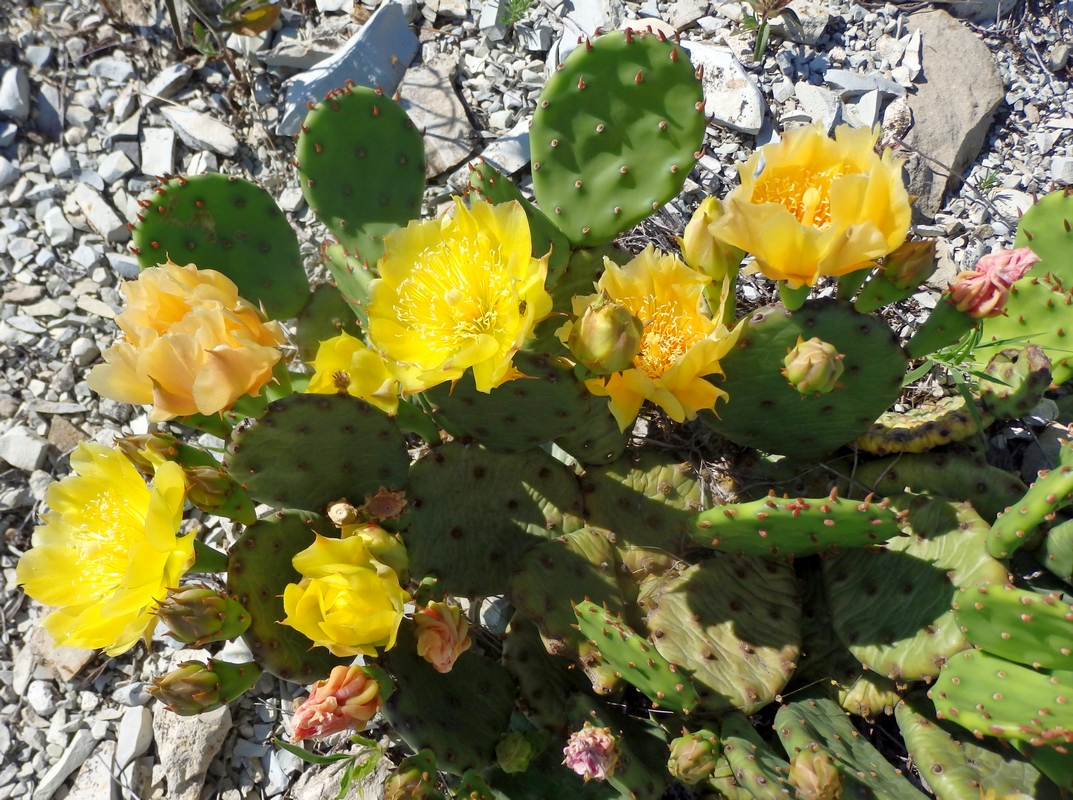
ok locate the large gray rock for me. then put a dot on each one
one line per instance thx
(199, 131)
(94, 780)
(82, 744)
(15, 94)
(429, 97)
(952, 108)
(377, 55)
(731, 95)
(186, 747)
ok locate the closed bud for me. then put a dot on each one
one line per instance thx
(442, 635)
(414, 779)
(694, 756)
(516, 749)
(814, 776)
(983, 291)
(198, 615)
(702, 251)
(208, 487)
(606, 337)
(911, 264)
(195, 687)
(147, 451)
(813, 367)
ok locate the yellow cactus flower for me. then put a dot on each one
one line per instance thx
(190, 344)
(680, 345)
(818, 206)
(344, 363)
(457, 293)
(108, 550)
(347, 601)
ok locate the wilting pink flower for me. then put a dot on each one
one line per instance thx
(442, 635)
(983, 291)
(345, 700)
(591, 753)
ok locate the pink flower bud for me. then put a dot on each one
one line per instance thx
(346, 700)
(442, 635)
(983, 291)
(591, 753)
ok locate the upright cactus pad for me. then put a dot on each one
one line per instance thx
(361, 166)
(310, 449)
(476, 512)
(615, 134)
(988, 695)
(756, 766)
(1017, 379)
(1018, 625)
(735, 623)
(648, 498)
(1047, 228)
(258, 570)
(792, 528)
(817, 723)
(458, 715)
(892, 606)
(229, 225)
(764, 411)
(1051, 491)
(544, 681)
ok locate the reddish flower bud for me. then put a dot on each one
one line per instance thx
(346, 700)
(983, 291)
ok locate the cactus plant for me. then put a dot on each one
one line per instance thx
(1051, 490)
(1023, 376)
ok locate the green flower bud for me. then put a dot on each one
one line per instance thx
(197, 615)
(911, 264)
(147, 451)
(195, 687)
(516, 749)
(813, 367)
(702, 251)
(414, 779)
(694, 756)
(606, 337)
(207, 487)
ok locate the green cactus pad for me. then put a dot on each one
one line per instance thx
(815, 722)
(326, 315)
(1018, 625)
(963, 477)
(361, 166)
(476, 512)
(726, 786)
(491, 185)
(547, 778)
(258, 570)
(756, 767)
(986, 694)
(1053, 763)
(735, 623)
(584, 270)
(957, 770)
(923, 428)
(1040, 312)
(647, 498)
(641, 772)
(472, 787)
(352, 276)
(787, 528)
(639, 663)
(544, 681)
(554, 575)
(615, 133)
(763, 407)
(229, 225)
(1047, 228)
(1051, 491)
(458, 715)
(892, 606)
(310, 449)
(1017, 379)
(1056, 551)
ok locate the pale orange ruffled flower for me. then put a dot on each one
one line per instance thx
(346, 601)
(681, 344)
(818, 206)
(461, 292)
(344, 363)
(191, 344)
(108, 550)
(442, 635)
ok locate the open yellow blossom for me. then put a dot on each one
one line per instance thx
(347, 601)
(108, 550)
(190, 345)
(680, 346)
(457, 293)
(344, 363)
(818, 206)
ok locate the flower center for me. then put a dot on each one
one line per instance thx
(669, 334)
(803, 191)
(457, 292)
(105, 529)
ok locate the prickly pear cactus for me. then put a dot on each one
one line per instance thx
(1023, 375)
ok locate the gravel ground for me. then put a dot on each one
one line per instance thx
(89, 94)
